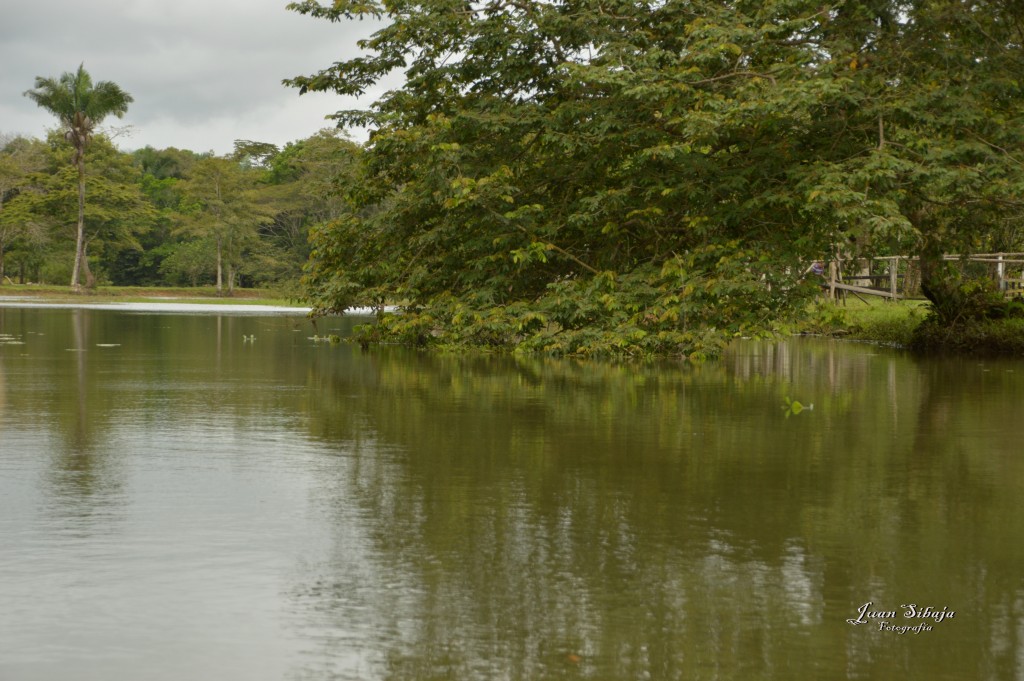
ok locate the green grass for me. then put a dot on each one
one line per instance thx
(907, 324)
(879, 321)
(132, 294)
(884, 321)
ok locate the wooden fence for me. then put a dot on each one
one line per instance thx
(898, 276)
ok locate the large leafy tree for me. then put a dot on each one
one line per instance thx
(79, 105)
(19, 159)
(521, 172)
(649, 176)
(221, 207)
(303, 183)
(118, 212)
(923, 116)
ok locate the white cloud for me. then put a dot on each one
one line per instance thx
(202, 72)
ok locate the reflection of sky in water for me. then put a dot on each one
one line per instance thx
(187, 505)
(175, 568)
(163, 306)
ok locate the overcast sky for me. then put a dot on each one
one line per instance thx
(203, 72)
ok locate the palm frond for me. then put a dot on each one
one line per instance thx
(73, 97)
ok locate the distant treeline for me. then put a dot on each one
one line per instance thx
(164, 217)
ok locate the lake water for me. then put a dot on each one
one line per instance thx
(179, 503)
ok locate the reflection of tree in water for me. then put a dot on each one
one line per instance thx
(526, 519)
(504, 518)
(536, 519)
(962, 478)
(182, 368)
(83, 475)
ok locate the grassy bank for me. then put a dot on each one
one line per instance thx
(875, 320)
(907, 324)
(132, 294)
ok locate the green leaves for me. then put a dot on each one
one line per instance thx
(701, 152)
(689, 308)
(79, 106)
(795, 407)
(77, 102)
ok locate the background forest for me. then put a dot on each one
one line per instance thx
(169, 217)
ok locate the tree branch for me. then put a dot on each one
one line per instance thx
(733, 74)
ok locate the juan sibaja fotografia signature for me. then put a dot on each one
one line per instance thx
(888, 620)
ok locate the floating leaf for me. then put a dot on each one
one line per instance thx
(794, 407)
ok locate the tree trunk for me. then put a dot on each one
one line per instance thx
(1, 244)
(955, 296)
(90, 280)
(220, 269)
(939, 284)
(230, 248)
(80, 237)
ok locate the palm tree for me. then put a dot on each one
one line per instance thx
(79, 106)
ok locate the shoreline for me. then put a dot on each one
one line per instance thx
(14, 302)
(163, 306)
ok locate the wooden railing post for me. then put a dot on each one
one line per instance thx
(893, 265)
(832, 279)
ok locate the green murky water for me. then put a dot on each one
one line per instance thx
(179, 503)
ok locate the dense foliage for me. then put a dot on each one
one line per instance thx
(167, 217)
(652, 177)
